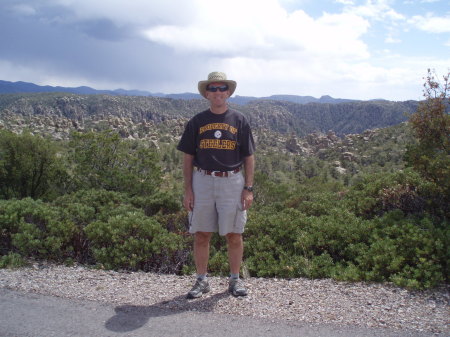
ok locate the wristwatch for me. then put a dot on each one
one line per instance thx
(248, 188)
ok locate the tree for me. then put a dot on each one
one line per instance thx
(105, 161)
(29, 166)
(431, 126)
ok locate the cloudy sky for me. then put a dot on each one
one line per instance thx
(359, 49)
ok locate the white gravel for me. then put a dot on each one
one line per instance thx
(299, 300)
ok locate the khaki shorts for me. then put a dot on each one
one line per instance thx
(217, 204)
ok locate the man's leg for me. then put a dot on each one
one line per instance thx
(235, 251)
(201, 257)
(201, 251)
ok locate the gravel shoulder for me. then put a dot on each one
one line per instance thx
(295, 301)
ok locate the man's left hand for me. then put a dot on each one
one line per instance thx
(246, 199)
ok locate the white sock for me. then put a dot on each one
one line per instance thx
(201, 277)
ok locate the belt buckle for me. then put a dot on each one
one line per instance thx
(219, 173)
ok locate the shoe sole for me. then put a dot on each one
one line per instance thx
(190, 296)
(236, 294)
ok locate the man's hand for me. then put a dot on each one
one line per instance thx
(246, 199)
(188, 201)
(249, 168)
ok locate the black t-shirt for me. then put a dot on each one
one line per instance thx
(218, 142)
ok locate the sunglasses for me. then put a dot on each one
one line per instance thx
(222, 88)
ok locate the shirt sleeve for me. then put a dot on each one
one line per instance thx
(247, 144)
(187, 142)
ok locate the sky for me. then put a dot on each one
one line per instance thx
(354, 49)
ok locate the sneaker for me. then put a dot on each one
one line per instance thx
(199, 288)
(236, 287)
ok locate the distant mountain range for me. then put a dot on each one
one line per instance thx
(7, 87)
(26, 87)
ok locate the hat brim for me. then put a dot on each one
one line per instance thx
(202, 85)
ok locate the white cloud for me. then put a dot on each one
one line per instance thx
(272, 32)
(391, 39)
(390, 77)
(431, 24)
(345, 2)
(377, 10)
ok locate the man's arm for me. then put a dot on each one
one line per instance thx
(188, 167)
(249, 167)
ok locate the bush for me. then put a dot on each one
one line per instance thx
(92, 226)
(314, 203)
(375, 194)
(133, 241)
(12, 260)
(292, 244)
(159, 202)
(270, 239)
(268, 192)
(105, 161)
(34, 229)
(84, 207)
(218, 263)
(407, 251)
(29, 167)
(341, 235)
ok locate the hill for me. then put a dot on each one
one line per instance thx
(146, 117)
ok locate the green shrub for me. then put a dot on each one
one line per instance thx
(8, 224)
(340, 233)
(133, 241)
(160, 202)
(407, 251)
(100, 200)
(29, 166)
(270, 239)
(375, 194)
(346, 271)
(35, 229)
(318, 266)
(292, 244)
(314, 203)
(105, 161)
(86, 206)
(218, 263)
(12, 260)
(268, 192)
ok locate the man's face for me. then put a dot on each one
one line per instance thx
(217, 98)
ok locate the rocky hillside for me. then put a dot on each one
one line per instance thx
(59, 114)
(329, 131)
(342, 118)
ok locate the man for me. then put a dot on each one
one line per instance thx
(217, 144)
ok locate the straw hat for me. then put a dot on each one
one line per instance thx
(213, 77)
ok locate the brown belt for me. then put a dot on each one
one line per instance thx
(219, 173)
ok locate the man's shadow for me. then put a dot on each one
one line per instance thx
(133, 317)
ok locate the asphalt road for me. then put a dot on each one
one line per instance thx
(33, 315)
